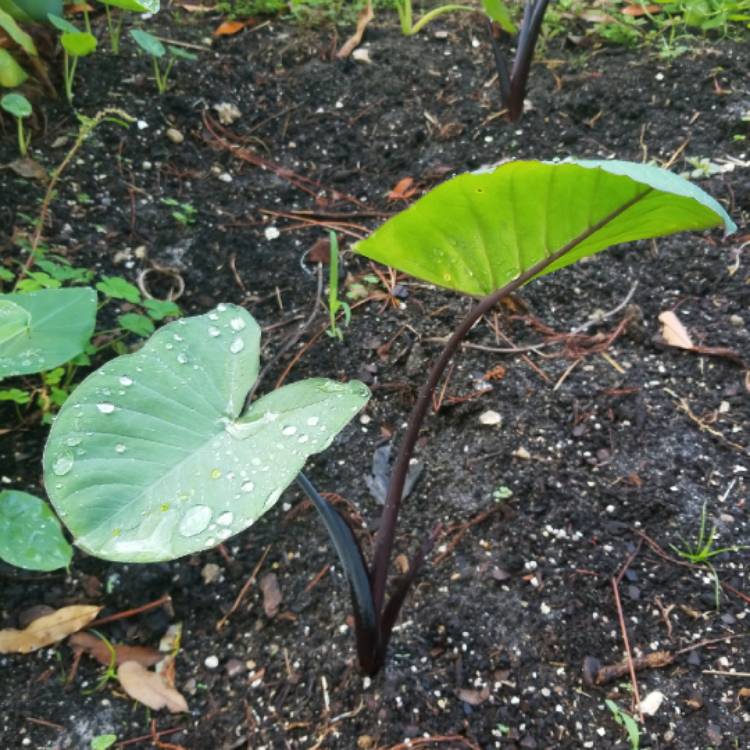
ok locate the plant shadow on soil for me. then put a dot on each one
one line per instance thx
(493, 639)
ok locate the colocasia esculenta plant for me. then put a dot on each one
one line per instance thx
(157, 454)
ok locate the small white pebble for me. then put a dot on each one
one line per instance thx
(211, 662)
(272, 233)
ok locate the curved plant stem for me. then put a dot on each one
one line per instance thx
(433, 14)
(386, 531)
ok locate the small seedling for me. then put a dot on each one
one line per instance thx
(19, 107)
(334, 303)
(495, 10)
(156, 50)
(184, 213)
(114, 21)
(75, 44)
(103, 741)
(624, 719)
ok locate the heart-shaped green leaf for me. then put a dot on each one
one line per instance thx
(78, 43)
(498, 11)
(152, 457)
(41, 330)
(148, 43)
(30, 534)
(479, 231)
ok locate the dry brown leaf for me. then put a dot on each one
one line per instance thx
(269, 585)
(365, 16)
(404, 189)
(46, 630)
(673, 332)
(29, 169)
(640, 10)
(149, 688)
(229, 28)
(97, 648)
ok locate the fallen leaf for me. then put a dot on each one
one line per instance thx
(673, 332)
(365, 16)
(29, 169)
(404, 189)
(320, 252)
(78, 8)
(97, 648)
(46, 630)
(640, 10)
(269, 585)
(744, 693)
(149, 688)
(473, 697)
(229, 28)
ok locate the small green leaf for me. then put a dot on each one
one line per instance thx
(79, 43)
(498, 11)
(117, 288)
(152, 457)
(61, 24)
(181, 53)
(17, 105)
(159, 309)
(16, 395)
(135, 323)
(134, 6)
(103, 741)
(148, 43)
(30, 534)
(6, 275)
(41, 330)
(477, 232)
(11, 73)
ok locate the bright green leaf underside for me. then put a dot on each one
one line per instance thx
(149, 459)
(44, 329)
(30, 535)
(479, 231)
(135, 6)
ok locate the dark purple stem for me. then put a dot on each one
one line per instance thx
(387, 530)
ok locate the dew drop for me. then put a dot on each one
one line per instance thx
(247, 486)
(72, 441)
(214, 331)
(63, 463)
(289, 430)
(169, 347)
(182, 358)
(213, 316)
(215, 473)
(225, 518)
(238, 324)
(177, 337)
(126, 381)
(303, 438)
(237, 346)
(272, 498)
(195, 520)
(120, 448)
(224, 533)
(312, 421)
(105, 407)
(221, 307)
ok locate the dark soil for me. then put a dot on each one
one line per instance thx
(603, 450)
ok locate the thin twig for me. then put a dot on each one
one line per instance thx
(243, 591)
(166, 599)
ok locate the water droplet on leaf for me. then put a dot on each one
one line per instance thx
(225, 518)
(195, 520)
(237, 346)
(63, 463)
(105, 407)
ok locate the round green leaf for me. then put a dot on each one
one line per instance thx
(30, 534)
(479, 231)
(134, 6)
(152, 458)
(44, 329)
(148, 43)
(16, 104)
(11, 73)
(78, 43)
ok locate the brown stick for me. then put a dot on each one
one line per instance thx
(243, 591)
(166, 599)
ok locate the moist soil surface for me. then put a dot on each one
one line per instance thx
(609, 444)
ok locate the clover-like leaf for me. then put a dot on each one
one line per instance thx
(152, 457)
(479, 231)
(41, 330)
(30, 534)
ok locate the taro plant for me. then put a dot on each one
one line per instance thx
(18, 106)
(496, 10)
(158, 454)
(513, 82)
(114, 20)
(75, 44)
(156, 50)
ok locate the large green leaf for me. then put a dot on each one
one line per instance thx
(135, 6)
(31, 10)
(30, 534)
(152, 458)
(11, 73)
(479, 231)
(44, 329)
